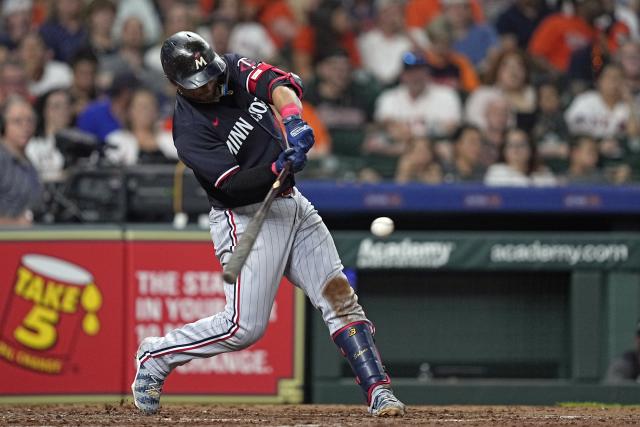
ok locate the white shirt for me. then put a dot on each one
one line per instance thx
(503, 175)
(588, 114)
(46, 158)
(434, 112)
(382, 55)
(56, 75)
(123, 148)
(251, 40)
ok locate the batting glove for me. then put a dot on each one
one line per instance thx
(297, 157)
(299, 133)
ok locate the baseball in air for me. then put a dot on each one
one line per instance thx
(382, 226)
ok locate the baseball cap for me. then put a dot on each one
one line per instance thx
(412, 60)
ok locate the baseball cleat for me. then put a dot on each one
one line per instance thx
(385, 404)
(146, 387)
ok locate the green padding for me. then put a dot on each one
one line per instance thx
(491, 251)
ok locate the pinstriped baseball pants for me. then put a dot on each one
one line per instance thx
(293, 242)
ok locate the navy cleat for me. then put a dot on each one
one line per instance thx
(146, 386)
(385, 404)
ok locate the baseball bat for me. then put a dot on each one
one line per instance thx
(240, 255)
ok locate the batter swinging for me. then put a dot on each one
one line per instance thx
(225, 131)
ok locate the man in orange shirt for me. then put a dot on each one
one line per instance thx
(559, 35)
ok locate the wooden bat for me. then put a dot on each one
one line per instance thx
(240, 255)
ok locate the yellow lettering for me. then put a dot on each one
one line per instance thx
(23, 278)
(34, 290)
(53, 295)
(6, 351)
(38, 363)
(38, 329)
(70, 299)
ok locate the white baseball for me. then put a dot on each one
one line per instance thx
(382, 226)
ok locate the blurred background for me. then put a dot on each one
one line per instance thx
(502, 136)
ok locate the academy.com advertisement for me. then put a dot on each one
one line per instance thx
(72, 314)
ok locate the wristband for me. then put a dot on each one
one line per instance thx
(290, 109)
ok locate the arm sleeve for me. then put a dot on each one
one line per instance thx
(259, 78)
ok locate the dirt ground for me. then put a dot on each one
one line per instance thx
(318, 415)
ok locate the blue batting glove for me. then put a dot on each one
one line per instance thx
(299, 133)
(297, 157)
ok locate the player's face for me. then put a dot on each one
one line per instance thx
(204, 94)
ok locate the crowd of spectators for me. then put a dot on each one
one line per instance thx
(505, 92)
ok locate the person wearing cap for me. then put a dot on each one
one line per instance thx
(626, 367)
(417, 105)
(16, 17)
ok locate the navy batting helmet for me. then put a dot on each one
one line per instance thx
(188, 60)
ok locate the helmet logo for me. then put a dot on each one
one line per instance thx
(200, 61)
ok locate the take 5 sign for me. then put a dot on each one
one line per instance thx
(60, 318)
(74, 309)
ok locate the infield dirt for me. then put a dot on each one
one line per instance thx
(318, 415)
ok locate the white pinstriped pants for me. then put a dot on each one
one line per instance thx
(293, 242)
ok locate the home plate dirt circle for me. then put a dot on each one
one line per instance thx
(315, 415)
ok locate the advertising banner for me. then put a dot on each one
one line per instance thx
(491, 251)
(61, 323)
(178, 282)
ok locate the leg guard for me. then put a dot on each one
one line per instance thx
(356, 343)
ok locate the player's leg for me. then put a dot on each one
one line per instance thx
(314, 266)
(248, 307)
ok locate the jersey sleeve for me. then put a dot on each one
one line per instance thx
(259, 78)
(200, 149)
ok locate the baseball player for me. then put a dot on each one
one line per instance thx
(224, 129)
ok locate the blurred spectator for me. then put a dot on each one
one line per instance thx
(101, 15)
(583, 162)
(498, 119)
(344, 101)
(474, 40)
(489, 109)
(249, 37)
(418, 164)
(586, 64)
(16, 20)
(629, 59)
(142, 140)
(106, 115)
(129, 57)
(146, 13)
(626, 367)
(417, 107)
(20, 188)
(509, 72)
(64, 31)
(447, 66)
(284, 18)
(628, 12)
(518, 164)
(550, 130)
(220, 29)
(44, 74)
(602, 112)
(420, 13)
(382, 48)
(561, 34)
(55, 114)
(179, 17)
(517, 23)
(466, 165)
(83, 88)
(13, 80)
(323, 145)
(330, 30)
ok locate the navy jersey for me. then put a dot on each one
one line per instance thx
(239, 132)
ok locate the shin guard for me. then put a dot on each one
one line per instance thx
(356, 343)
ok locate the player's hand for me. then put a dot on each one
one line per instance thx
(299, 133)
(297, 157)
